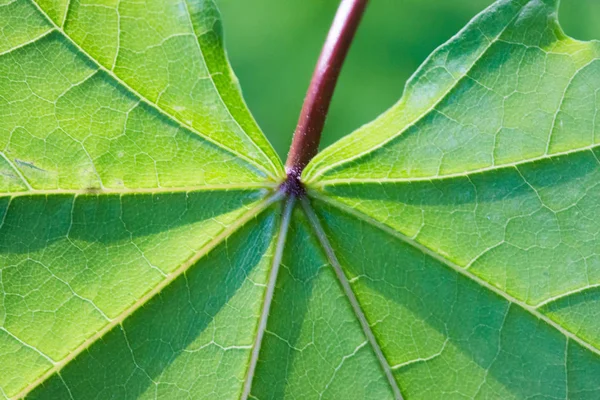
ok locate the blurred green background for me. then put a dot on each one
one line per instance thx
(274, 44)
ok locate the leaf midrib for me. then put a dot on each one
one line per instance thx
(312, 176)
(155, 106)
(282, 234)
(134, 191)
(350, 296)
(456, 268)
(210, 77)
(466, 174)
(239, 223)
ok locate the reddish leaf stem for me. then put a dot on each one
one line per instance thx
(316, 103)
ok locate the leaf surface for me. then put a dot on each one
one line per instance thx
(447, 250)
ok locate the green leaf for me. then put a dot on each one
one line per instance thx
(447, 250)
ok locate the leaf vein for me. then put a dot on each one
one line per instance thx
(491, 168)
(29, 346)
(252, 213)
(420, 117)
(148, 101)
(25, 44)
(133, 191)
(212, 81)
(343, 281)
(17, 171)
(264, 315)
(457, 268)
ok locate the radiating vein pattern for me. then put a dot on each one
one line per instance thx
(128, 161)
(314, 347)
(448, 250)
(476, 198)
